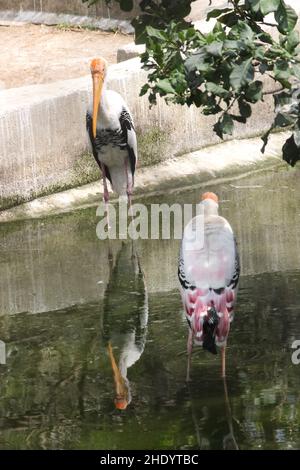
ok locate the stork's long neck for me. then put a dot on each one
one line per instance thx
(104, 94)
(210, 207)
(104, 104)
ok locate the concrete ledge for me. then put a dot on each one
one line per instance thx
(130, 51)
(205, 167)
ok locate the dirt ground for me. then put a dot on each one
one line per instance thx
(32, 54)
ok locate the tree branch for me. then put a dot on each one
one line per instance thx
(273, 92)
(268, 24)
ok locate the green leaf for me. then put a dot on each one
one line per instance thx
(282, 70)
(286, 18)
(242, 74)
(245, 32)
(263, 67)
(213, 109)
(224, 125)
(144, 89)
(218, 129)
(174, 8)
(255, 5)
(244, 108)
(233, 44)
(281, 99)
(296, 70)
(291, 151)
(217, 12)
(292, 41)
(284, 120)
(259, 53)
(229, 19)
(241, 119)
(265, 139)
(197, 62)
(219, 32)
(165, 86)
(267, 6)
(254, 91)
(156, 33)
(126, 5)
(227, 124)
(215, 48)
(216, 89)
(140, 31)
(265, 37)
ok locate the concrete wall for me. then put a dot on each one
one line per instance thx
(74, 7)
(43, 144)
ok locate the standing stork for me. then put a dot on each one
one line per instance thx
(112, 135)
(208, 273)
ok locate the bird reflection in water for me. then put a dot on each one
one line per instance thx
(229, 442)
(125, 319)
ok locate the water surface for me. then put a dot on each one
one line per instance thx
(66, 296)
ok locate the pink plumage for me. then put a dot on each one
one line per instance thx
(208, 274)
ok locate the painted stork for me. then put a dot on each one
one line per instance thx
(125, 319)
(111, 133)
(208, 273)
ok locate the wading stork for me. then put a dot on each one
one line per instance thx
(208, 273)
(111, 133)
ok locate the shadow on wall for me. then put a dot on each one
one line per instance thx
(76, 7)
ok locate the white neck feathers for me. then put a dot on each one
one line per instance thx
(210, 207)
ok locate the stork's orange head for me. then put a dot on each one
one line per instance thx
(99, 65)
(211, 196)
(121, 403)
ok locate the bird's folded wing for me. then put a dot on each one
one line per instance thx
(129, 136)
(89, 128)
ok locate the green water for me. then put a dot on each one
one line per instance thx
(65, 295)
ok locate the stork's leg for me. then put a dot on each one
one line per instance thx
(129, 179)
(230, 437)
(189, 353)
(223, 361)
(105, 193)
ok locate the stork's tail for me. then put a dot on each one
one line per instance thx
(210, 325)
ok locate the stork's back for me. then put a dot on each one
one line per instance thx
(209, 262)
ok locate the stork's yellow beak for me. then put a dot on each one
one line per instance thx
(98, 80)
(121, 400)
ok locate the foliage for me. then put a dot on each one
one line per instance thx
(221, 72)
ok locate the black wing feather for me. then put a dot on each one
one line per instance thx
(237, 268)
(126, 124)
(89, 128)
